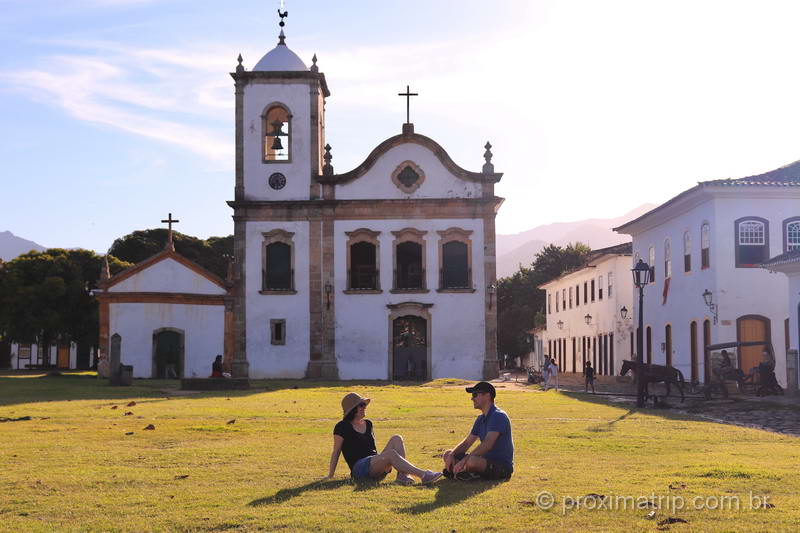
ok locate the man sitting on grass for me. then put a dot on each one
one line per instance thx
(494, 457)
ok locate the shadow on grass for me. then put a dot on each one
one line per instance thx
(450, 492)
(17, 387)
(287, 494)
(608, 426)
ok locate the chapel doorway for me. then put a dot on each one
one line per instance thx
(82, 356)
(168, 346)
(410, 358)
(751, 328)
(63, 356)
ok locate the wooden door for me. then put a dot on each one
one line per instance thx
(751, 328)
(63, 356)
(410, 355)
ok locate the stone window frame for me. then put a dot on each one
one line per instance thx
(265, 129)
(270, 237)
(705, 245)
(399, 184)
(464, 236)
(737, 240)
(600, 285)
(786, 223)
(687, 252)
(355, 237)
(667, 258)
(273, 338)
(416, 236)
(651, 256)
(610, 281)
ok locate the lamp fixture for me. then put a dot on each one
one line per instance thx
(588, 319)
(560, 324)
(491, 289)
(623, 312)
(641, 274)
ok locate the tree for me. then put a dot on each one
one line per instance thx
(212, 253)
(44, 296)
(521, 305)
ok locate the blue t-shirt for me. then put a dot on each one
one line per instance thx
(496, 420)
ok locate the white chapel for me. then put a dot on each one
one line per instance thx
(386, 271)
(382, 272)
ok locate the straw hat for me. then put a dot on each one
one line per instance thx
(352, 400)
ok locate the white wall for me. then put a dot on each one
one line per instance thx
(737, 291)
(605, 313)
(377, 181)
(457, 320)
(295, 96)
(291, 359)
(73, 357)
(168, 275)
(203, 327)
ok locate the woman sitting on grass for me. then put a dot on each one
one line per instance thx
(353, 436)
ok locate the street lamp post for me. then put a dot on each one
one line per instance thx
(641, 277)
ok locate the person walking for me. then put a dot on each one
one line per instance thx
(588, 374)
(552, 374)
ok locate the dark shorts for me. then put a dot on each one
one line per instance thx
(495, 470)
(361, 469)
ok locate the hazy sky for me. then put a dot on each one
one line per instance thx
(115, 112)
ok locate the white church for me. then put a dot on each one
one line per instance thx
(385, 272)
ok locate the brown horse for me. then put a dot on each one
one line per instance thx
(655, 374)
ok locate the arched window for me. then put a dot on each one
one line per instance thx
(278, 263)
(455, 262)
(363, 273)
(752, 242)
(651, 256)
(363, 266)
(276, 127)
(408, 271)
(791, 232)
(687, 252)
(667, 258)
(705, 245)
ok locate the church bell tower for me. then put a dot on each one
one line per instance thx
(280, 126)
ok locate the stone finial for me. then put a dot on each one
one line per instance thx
(105, 272)
(314, 67)
(488, 167)
(239, 67)
(327, 168)
(282, 38)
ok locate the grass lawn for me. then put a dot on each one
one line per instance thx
(73, 468)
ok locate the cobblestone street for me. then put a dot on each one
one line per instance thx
(780, 414)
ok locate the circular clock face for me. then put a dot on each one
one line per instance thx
(277, 181)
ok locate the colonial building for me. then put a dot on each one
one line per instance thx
(711, 239)
(382, 272)
(166, 316)
(61, 356)
(589, 313)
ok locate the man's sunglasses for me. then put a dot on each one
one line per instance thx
(475, 394)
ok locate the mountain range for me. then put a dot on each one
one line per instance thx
(520, 248)
(11, 246)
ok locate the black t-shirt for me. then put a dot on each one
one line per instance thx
(356, 445)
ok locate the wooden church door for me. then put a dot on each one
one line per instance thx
(410, 360)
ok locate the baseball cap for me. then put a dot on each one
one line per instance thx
(483, 386)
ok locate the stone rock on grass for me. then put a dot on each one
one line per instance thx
(150, 427)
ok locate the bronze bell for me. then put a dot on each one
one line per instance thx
(276, 144)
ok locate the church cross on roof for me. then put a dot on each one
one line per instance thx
(170, 221)
(408, 94)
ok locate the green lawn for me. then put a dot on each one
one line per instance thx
(73, 468)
